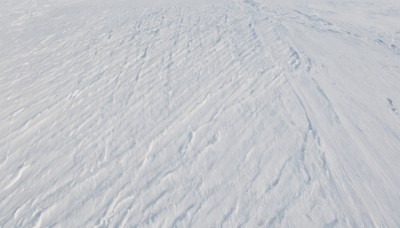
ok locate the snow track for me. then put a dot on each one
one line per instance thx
(252, 113)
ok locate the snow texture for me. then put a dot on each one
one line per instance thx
(186, 113)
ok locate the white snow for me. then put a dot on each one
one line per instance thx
(189, 113)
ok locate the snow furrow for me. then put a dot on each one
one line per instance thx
(199, 113)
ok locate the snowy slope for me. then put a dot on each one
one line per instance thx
(189, 113)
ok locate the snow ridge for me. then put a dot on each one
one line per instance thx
(232, 113)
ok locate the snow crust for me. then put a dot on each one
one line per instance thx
(206, 113)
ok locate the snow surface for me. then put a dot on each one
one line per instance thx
(204, 113)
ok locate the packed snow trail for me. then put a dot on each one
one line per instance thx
(199, 113)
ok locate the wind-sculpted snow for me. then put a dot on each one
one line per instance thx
(209, 114)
